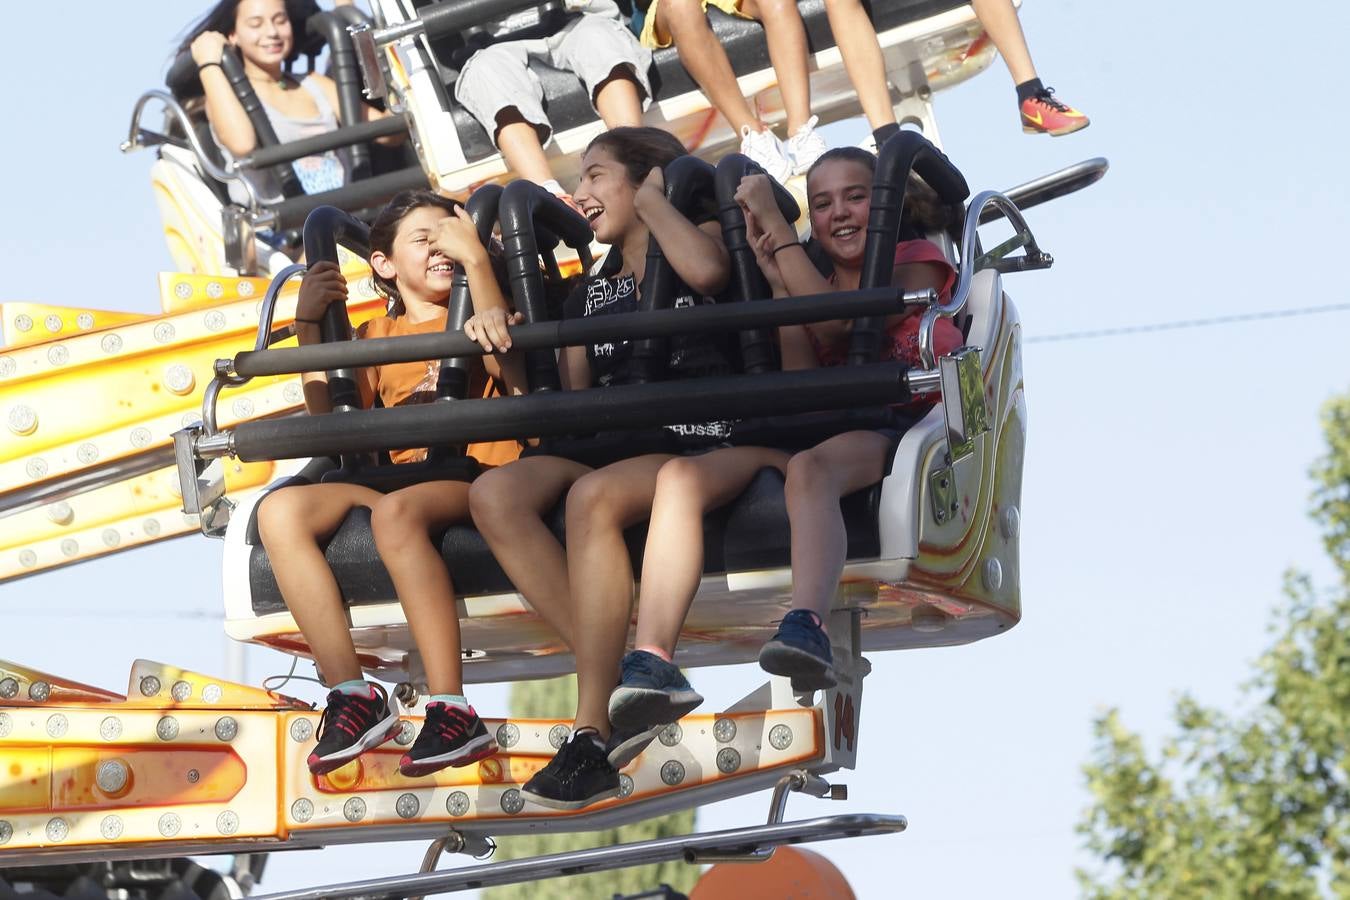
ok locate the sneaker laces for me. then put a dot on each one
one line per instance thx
(638, 663)
(343, 711)
(449, 722)
(1047, 96)
(795, 614)
(807, 129)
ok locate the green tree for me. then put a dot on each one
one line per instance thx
(557, 698)
(1255, 804)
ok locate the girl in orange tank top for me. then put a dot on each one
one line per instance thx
(415, 242)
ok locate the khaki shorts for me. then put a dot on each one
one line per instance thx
(648, 37)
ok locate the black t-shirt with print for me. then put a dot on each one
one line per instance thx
(606, 292)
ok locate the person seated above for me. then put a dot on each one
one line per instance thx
(260, 32)
(498, 88)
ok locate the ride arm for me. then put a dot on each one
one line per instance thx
(697, 255)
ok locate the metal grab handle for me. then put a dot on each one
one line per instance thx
(1036, 258)
(224, 375)
(133, 142)
(800, 780)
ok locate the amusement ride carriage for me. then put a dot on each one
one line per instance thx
(186, 763)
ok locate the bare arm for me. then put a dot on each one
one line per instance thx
(223, 110)
(323, 285)
(574, 369)
(698, 256)
(782, 257)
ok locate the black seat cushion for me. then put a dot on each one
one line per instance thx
(568, 107)
(751, 533)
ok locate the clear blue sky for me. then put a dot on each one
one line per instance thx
(1166, 482)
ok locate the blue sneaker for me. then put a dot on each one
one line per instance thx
(626, 744)
(801, 651)
(650, 692)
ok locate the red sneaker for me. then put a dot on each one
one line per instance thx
(1043, 114)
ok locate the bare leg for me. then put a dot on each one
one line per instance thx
(816, 480)
(508, 506)
(687, 487)
(1000, 22)
(686, 24)
(786, 37)
(618, 99)
(522, 147)
(403, 523)
(857, 42)
(292, 522)
(599, 507)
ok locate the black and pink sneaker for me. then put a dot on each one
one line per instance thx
(351, 725)
(450, 736)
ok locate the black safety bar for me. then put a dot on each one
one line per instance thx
(689, 184)
(905, 152)
(440, 19)
(453, 381)
(292, 212)
(347, 136)
(325, 228)
(747, 280)
(523, 208)
(347, 78)
(617, 407)
(233, 67)
(546, 336)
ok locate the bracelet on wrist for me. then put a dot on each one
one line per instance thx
(207, 65)
(774, 254)
(309, 321)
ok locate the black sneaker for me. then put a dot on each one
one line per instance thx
(450, 736)
(351, 725)
(626, 744)
(579, 775)
(651, 691)
(801, 651)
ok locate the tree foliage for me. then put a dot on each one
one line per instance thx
(1255, 804)
(556, 699)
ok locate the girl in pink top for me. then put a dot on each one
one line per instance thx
(839, 192)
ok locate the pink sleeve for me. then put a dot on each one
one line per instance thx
(927, 252)
(946, 337)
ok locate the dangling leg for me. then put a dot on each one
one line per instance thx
(292, 523)
(1041, 112)
(653, 690)
(816, 481)
(404, 523)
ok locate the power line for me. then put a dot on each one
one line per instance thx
(1126, 330)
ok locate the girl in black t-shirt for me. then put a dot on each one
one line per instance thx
(622, 194)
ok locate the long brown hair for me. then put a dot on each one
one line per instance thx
(924, 210)
(639, 150)
(385, 227)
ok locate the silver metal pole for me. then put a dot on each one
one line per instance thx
(745, 841)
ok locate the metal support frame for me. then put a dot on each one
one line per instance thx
(750, 844)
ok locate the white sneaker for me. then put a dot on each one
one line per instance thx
(805, 147)
(765, 149)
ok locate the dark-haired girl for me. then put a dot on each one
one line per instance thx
(622, 194)
(415, 242)
(261, 33)
(839, 190)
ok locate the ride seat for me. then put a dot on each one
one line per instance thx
(568, 107)
(750, 533)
